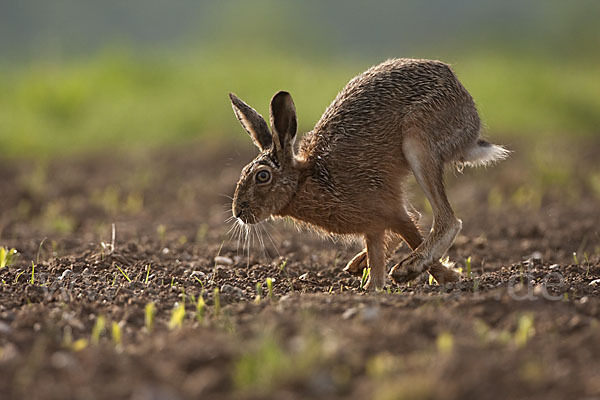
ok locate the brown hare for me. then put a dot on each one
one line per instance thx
(347, 175)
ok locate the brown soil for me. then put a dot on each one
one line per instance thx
(524, 324)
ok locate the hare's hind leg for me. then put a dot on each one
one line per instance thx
(408, 230)
(358, 263)
(428, 170)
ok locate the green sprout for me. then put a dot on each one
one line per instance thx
(575, 258)
(283, 264)
(201, 233)
(123, 272)
(7, 257)
(270, 288)
(149, 312)
(18, 276)
(32, 280)
(217, 301)
(525, 330)
(116, 334)
(200, 309)
(98, 329)
(79, 344)
(365, 277)
(445, 343)
(177, 316)
(161, 230)
(147, 274)
(468, 266)
(431, 280)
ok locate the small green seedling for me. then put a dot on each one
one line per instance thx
(431, 280)
(468, 266)
(525, 330)
(445, 343)
(116, 334)
(177, 316)
(200, 308)
(217, 301)
(98, 329)
(147, 274)
(18, 276)
(161, 230)
(199, 281)
(283, 264)
(79, 344)
(149, 312)
(201, 233)
(7, 257)
(270, 288)
(123, 272)
(575, 258)
(365, 277)
(32, 280)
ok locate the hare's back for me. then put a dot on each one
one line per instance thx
(391, 90)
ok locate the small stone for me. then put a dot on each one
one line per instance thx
(4, 328)
(165, 250)
(349, 313)
(554, 266)
(303, 277)
(65, 274)
(369, 313)
(595, 282)
(223, 260)
(231, 290)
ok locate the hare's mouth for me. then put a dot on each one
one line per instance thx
(246, 217)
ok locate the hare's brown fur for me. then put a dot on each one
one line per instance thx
(348, 174)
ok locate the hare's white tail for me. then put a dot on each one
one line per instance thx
(483, 154)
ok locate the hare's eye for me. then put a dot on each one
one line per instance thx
(263, 176)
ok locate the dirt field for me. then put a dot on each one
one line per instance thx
(524, 323)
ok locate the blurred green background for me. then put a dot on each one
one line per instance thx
(83, 76)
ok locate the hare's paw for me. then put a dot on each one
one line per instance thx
(357, 264)
(409, 268)
(375, 282)
(443, 274)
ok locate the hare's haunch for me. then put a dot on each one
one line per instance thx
(347, 175)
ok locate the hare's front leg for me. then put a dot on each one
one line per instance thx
(375, 243)
(359, 262)
(428, 170)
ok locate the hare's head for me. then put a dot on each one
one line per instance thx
(270, 181)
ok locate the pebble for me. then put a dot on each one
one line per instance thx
(303, 277)
(223, 260)
(231, 290)
(4, 328)
(349, 313)
(595, 282)
(65, 273)
(369, 313)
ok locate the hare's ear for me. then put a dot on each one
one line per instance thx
(252, 122)
(283, 120)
